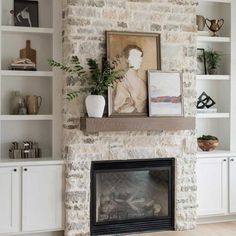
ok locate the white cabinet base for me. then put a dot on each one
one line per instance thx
(212, 186)
(216, 189)
(42, 197)
(9, 200)
(31, 199)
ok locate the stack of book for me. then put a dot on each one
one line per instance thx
(22, 64)
(24, 150)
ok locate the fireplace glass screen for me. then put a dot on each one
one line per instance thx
(133, 195)
(128, 195)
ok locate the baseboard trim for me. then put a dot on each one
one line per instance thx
(216, 219)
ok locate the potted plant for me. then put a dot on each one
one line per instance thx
(97, 81)
(207, 142)
(213, 59)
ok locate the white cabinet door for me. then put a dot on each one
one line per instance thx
(212, 186)
(232, 185)
(42, 197)
(9, 199)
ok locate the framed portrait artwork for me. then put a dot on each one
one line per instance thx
(136, 53)
(201, 62)
(165, 93)
(26, 13)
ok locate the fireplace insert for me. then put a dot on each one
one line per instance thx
(132, 196)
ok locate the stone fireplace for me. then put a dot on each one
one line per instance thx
(123, 146)
(85, 23)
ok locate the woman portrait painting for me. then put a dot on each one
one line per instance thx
(136, 56)
(131, 93)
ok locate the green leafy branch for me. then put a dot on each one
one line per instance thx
(213, 58)
(98, 80)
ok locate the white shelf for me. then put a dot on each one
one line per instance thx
(213, 77)
(213, 39)
(34, 30)
(216, 153)
(25, 117)
(26, 73)
(216, 1)
(212, 115)
(28, 162)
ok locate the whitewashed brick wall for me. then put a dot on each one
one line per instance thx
(85, 23)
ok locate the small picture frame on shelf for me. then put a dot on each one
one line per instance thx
(165, 93)
(26, 13)
(201, 62)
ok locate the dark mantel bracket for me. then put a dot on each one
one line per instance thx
(113, 124)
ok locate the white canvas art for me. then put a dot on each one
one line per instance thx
(165, 94)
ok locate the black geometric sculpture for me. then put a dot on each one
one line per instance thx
(204, 101)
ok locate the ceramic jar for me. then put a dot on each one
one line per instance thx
(95, 105)
(16, 100)
(33, 103)
(201, 22)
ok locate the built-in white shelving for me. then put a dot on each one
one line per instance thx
(218, 166)
(218, 87)
(44, 127)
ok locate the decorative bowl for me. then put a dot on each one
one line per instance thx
(207, 145)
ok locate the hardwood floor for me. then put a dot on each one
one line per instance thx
(218, 229)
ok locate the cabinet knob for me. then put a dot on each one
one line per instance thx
(25, 169)
(232, 159)
(15, 170)
(225, 160)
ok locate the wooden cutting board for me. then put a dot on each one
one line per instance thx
(28, 52)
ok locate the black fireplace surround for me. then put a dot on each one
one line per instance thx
(132, 196)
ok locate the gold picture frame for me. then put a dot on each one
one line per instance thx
(136, 53)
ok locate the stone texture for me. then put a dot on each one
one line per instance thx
(84, 26)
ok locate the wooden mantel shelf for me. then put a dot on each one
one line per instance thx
(113, 124)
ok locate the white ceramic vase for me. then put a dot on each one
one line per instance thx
(95, 105)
